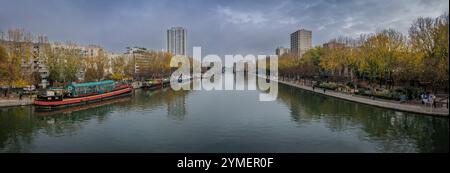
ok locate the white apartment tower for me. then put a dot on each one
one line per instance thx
(176, 40)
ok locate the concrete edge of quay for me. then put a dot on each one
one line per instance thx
(15, 102)
(378, 103)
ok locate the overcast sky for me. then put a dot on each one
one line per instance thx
(220, 27)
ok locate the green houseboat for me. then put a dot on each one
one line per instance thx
(82, 93)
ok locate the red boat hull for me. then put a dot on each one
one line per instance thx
(81, 100)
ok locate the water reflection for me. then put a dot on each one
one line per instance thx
(394, 131)
(176, 108)
(175, 101)
(16, 131)
(19, 125)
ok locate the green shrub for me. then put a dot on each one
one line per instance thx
(364, 92)
(396, 95)
(399, 90)
(350, 84)
(329, 85)
(382, 94)
(412, 92)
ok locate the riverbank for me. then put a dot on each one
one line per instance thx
(420, 109)
(8, 102)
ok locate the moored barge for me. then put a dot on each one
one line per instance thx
(155, 84)
(81, 93)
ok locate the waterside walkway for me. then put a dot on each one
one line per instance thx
(421, 109)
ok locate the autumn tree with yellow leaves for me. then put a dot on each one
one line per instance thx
(429, 44)
(15, 53)
(388, 57)
(62, 62)
(95, 67)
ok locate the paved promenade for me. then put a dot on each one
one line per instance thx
(421, 109)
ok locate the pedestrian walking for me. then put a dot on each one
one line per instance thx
(432, 100)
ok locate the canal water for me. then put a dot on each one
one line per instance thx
(221, 121)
